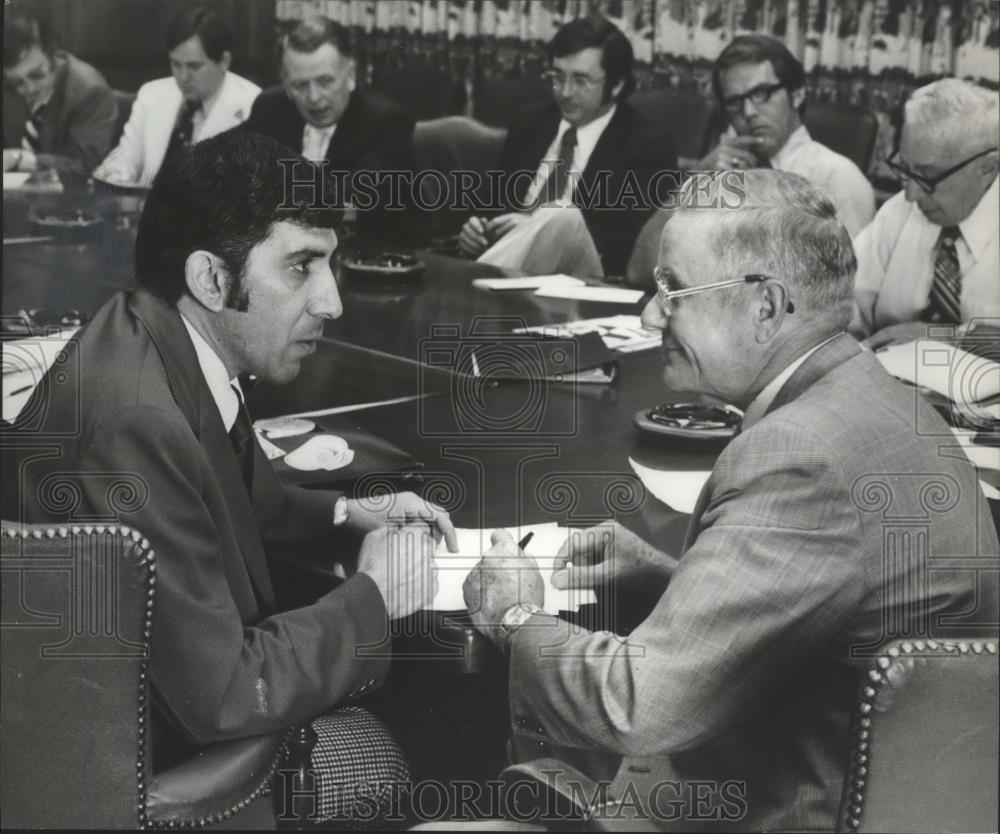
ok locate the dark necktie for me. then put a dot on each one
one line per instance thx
(944, 304)
(33, 130)
(241, 436)
(555, 185)
(183, 127)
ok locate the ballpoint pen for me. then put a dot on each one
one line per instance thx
(524, 542)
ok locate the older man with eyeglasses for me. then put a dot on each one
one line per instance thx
(761, 87)
(931, 255)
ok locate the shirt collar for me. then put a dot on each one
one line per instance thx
(762, 402)
(587, 136)
(980, 227)
(217, 377)
(799, 137)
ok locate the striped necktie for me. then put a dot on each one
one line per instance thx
(944, 304)
(183, 127)
(555, 185)
(32, 140)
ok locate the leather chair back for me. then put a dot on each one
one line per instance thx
(924, 746)
(497, 99)
(427, 91)
(124, 101)
(692, 118)
(848, 130)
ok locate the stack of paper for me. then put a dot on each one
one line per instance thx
(529, 282)
(607, 295)
(622, 333)
(453, 568)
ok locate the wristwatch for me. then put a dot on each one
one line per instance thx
(340, 513)
(512, 620)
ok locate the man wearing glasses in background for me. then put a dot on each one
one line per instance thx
(58, 111)
(318, 112)
(931, 254)
(761, 87)
(568, 164)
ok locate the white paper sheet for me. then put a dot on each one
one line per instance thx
(527, 282)
(962, 377)
(452, 568)
(609, 295)
(678, 490)
(25, 362)
(15, 179)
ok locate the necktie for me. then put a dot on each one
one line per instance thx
(33, 131)
(944, 305)
(184, 126)
(241, 436)
(555, 185)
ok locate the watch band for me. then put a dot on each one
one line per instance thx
(512, 620)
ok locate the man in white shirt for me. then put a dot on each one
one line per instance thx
(931, 255)
(761, 87)
(580, 172)
(200, 100)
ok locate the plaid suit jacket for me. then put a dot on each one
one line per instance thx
(820, 534)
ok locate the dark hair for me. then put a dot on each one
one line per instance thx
(222, 195)
(215, 36)
(309, 34)
(753, 49)
(20, 33)
(597, 31)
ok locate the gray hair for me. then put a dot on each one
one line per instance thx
(955, 114)
(779, 224)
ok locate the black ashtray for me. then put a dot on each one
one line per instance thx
(691, 421)
(382, 266)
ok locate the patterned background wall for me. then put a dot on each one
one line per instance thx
(868, 52)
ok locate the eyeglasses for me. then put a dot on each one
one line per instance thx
(578, 82)
(928, 184)
(324, 83)
(667, 295)
(761, 94)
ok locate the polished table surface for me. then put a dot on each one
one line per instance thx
(493, 453)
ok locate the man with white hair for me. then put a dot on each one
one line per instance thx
(731, 702)
(931, 254)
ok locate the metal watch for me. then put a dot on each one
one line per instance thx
(340, 513)
(513, 619)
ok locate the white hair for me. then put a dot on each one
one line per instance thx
(955, 114)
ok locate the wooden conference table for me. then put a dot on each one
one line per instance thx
(493, 455)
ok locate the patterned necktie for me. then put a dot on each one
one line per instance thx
(555, 185)
(944, 304)
(184, 126)
(32, 140)
(241, 436)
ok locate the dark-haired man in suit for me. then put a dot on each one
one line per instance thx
(318, 112)
(58, 110)
(580, 170)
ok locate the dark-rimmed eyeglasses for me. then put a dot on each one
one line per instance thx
(928, 184)
(761, 94)
(668, 295)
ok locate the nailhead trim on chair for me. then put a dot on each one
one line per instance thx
(860, 751)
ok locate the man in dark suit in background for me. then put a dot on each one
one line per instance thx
(586, 149)
(318, 112)
(58, 112)
(232, 281)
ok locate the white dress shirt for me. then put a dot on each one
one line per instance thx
(316, 141)
(217, 377)
(587, 138)
(841, 179)
(896, 255)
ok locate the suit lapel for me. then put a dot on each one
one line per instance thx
(227, 111)
(534, 150)
(55, 109)
(607, 153)
(170, 337)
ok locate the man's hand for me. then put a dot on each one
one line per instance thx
(504, 224)
(732, 152)
(907, 331)
(504, 577)
(400, 561)
(610, 553)
(11, 158)
(472, 240)
(404, 508)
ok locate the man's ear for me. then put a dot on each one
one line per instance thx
(772, 305)
(797, 97)
(352, 75)
(207, 280)
(226, 60)
(616, 90)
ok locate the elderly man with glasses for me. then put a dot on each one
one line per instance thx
(581, 172)
(731, 701)
(761, 87)
(931, 254)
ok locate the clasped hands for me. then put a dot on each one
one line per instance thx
(478, 233)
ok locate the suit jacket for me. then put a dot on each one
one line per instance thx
(631, 151)
(143, 144)
(133, 412)
(78, 122)
(374, 134)
(798, 564)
